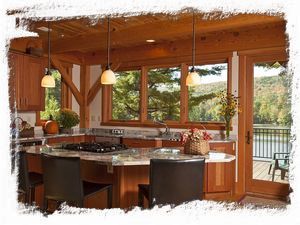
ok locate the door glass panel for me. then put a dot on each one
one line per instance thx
(271, 122)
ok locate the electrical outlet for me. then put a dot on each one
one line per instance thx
(117, 131)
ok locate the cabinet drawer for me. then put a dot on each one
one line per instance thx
(60, 140)
(141, 143)
(166, 143)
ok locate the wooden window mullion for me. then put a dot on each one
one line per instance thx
(143, 95)
(183, 94)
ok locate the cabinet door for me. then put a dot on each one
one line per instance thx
(15, 62)
(140, 143)
(31, 91)
(167, 143)
(60, 140)
(220, 176)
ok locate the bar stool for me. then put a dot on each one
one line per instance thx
(27, 181)
(173, 182)
(63, 183)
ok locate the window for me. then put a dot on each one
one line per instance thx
(164, 94)
(202, 99)
(159, 93)
(126, 96)
(52, 97)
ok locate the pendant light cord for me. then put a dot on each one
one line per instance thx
(194, 43)
(48, 73)
(108, 42)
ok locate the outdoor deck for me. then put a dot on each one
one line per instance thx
(260, 172)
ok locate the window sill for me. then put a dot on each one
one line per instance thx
(207, 125)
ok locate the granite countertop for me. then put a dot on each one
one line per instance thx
(134, 156)
(38, 137)
(46, 136)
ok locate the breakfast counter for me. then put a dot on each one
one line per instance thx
(126, 169)
(129, 157)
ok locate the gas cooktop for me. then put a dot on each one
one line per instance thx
(98, 147)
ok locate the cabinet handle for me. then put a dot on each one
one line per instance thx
(25, 101)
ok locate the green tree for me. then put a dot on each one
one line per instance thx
(52, 97)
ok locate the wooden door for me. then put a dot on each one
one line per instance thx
(31, 91)
(258, 179)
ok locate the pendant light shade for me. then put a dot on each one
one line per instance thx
(193, 78)
(48, 80)
(108, 76)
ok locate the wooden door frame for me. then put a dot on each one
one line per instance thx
(251, 185)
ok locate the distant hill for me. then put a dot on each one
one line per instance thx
(271, 101)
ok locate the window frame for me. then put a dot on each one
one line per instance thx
(66, 94)
(183, 122)
(228, 88)
(110, 96)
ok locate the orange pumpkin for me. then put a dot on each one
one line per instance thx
(51, 127)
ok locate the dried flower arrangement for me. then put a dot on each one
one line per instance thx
(195, 134)
(196, 141)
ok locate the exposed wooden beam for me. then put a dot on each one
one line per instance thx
(70, 57)
(68, 80)
(97, 86)
(161, 31)
(180, 51)
(84, 87)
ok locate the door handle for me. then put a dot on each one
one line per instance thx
(248, 137)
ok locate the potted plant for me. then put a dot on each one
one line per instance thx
(229, 106)
(67, 119)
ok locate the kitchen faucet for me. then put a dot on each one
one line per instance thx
(167, 131)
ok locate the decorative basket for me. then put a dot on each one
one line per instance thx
(197, 147)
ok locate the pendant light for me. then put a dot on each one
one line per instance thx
(48, 80)
(193, 77)
(108, 76)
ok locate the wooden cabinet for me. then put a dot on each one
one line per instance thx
(141, 143)
(25, 82)
(220, 176)
(71, 139)
(167, 143)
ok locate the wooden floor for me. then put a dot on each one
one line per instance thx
(261, 169)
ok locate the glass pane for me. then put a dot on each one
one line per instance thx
(164, 94)
(272, 121)
(52, 97)
(202, 99)
(126, 96)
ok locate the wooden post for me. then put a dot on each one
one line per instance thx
(68, 79)
(84, 88)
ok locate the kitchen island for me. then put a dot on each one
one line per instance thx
(127, 168)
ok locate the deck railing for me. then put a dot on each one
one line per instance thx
(267, 141)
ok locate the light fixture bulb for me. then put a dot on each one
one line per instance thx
(108, 77)
(48, 81)
(150, 40)
(193, 79)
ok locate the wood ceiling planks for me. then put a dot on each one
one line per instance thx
(85, 35)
